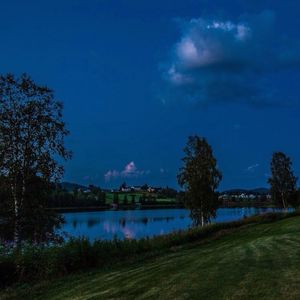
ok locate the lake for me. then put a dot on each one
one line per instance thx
(142, 223)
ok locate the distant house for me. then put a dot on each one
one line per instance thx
(151, 189)
(246, 195)
(136, 188)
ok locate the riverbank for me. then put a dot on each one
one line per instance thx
(120, 207)
(157, 206)
(224, 261)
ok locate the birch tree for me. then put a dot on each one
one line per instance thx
(32, 135)
(200, 178)
(282, 181)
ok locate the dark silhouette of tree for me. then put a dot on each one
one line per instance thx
(123, 186)
(200, 178)
(282, 181)
(125, 200)
(32, 136)
(115, 198)
(166, 193)
(144, 199)
(38, 224)
(132, 199)
(144, 187)
(98, 194)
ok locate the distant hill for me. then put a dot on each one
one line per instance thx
(261, 190)
(72, 186)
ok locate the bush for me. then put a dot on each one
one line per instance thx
(32, 262)
(8, 271)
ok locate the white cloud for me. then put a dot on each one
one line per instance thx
(206, 43)
(129, 171)
(252, 167)
(178, 78)
(227, 60)
(111, 174)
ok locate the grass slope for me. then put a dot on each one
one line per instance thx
(256, 262)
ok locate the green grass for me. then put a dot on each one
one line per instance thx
(121, 195)
(166, 200)
(253, 262)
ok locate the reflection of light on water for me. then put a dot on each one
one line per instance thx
(129, 234)
(109, 227)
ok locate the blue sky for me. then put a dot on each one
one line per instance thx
(138, 77)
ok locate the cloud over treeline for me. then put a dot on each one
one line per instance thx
(231, 61)
(129, 171)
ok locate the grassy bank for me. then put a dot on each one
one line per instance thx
(255, 261)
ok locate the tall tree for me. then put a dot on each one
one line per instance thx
(200, 178)
(32, 136)
(283, 181)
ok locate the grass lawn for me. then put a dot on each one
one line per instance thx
(137, 196)
(121, 195)
(254, 262)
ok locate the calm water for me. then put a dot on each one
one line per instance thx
(141, 223)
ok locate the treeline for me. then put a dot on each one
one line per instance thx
(58, 197)
(61, 198)
(95, 197)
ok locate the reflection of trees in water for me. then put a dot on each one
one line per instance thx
(122, 222)
(74, 224)
(92, 222)
(163, 218)
(145, 220)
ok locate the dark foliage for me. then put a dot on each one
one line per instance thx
(200, 178)
(32, 136)
(282, 181)
(60, 198)
(166, 193)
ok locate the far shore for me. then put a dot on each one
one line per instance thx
(154, 206)
(120, 207)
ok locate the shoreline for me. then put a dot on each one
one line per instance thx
(152, 207)
(120, 208)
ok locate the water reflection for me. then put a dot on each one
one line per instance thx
(142, 223)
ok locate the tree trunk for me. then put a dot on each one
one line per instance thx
(202, 219)
(16, 225)
(283, 202)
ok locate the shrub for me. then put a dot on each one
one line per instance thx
(8, 271)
